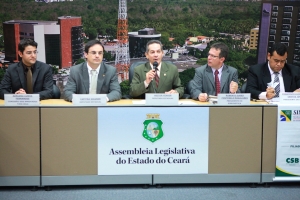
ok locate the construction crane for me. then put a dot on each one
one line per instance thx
(122, 61)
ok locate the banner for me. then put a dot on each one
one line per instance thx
(288, 143)
(152, 140)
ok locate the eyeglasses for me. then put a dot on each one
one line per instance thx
(94, 52)
(31, 52)
(213, 56)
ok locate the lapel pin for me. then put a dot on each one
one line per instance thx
(103, 75)
(165, 75)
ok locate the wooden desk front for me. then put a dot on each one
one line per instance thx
(69, 145)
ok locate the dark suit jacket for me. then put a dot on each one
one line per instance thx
(204, 81)
(79, 82)
(259, 75)
(14, 79)
(169, 79)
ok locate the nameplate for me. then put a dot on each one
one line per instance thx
(289, 98)
(162, 99)
(89, 99)
(21, 99)
(234, 99)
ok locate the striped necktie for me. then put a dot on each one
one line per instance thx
(156, 78)
(277, 87)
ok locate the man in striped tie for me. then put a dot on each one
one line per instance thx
(267, 80)
(155, 76)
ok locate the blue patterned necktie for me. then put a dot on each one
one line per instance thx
(277, 87)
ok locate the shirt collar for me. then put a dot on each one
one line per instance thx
(90, 69)
(220, 69)
(272, 72)
(26, 67)
(158, 67)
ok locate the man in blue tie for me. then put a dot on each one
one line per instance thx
(267, 80)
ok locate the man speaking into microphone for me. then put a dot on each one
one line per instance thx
(155, 76)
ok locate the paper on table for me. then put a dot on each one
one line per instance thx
(186, 103)
(143, 102)
(273, 85)
(274, 101)
(139, 102)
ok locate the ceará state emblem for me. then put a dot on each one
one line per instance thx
(152, 128)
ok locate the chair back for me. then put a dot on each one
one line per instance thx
(243, 88)
(55, 92)
(131, 69)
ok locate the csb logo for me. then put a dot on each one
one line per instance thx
(292, 160)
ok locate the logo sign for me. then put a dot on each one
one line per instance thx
(152, 128)
(285, 115)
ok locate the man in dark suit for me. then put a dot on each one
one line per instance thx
(81, 76)
(165, 79)
(214, 77)
(28, 76)
(261, 81)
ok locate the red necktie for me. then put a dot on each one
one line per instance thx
(217, 82)
(156, 78)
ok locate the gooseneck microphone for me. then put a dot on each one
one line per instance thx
(155, 65)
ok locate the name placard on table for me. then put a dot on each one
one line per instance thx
(21, 99)
(162, 99)
(89, 99)
(234, 99)
(289, 98)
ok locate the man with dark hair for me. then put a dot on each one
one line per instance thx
(215, 77)
(93, 76)
(28, 76)
(269, 79)
(163, 79)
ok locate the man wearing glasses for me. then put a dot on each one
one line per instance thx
(93, 76)
(267, 80)
(28, 76)
(215, 77)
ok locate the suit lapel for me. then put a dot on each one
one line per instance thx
(20, 70)
(266, 75)
(163, 75)
(147, 68)
(210, 76)
(86, 78)
(224, 77)
(101, 77)
(287, 78)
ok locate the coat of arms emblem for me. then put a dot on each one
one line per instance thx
(152, 128)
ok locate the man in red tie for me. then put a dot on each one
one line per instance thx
(155, 76)
(215, 77)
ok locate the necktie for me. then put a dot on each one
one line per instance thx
(217, 82)
(277, 87)
(29, 81)
(93, 86)
(156, 78)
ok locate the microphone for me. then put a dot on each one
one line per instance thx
(155, 65)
